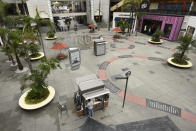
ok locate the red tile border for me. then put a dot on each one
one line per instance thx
(123, 48)
(102, 74)
(141, 57)
(188, 116)
(172, 50)
(135, 99)
(112, 59)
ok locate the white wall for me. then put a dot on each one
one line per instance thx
(43, 7)
(104, 7)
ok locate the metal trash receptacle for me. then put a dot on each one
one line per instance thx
(99, 47)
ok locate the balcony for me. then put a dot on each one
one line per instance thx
(169, 12)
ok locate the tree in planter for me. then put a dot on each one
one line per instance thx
(133, 5)
(39, 91)
(39, 23)
(6, 48)
(156, 36)
(123, 25)
(34, 50)
(51, 34)
(180, 56)
(15, 47)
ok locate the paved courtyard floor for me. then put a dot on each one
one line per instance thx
(156, 90)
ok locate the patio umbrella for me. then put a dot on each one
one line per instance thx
(91, 25)
(117, 30)
(60, 46)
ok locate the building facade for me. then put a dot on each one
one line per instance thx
(174, 18)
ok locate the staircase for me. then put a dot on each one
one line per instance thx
(117, 5)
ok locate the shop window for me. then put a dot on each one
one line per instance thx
(190, 31)
(167, 30)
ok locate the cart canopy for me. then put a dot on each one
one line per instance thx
(96, 93)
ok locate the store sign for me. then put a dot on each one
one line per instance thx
(180, 6)
(144, 5)
(74, 57)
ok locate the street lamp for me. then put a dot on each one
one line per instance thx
(127, 78)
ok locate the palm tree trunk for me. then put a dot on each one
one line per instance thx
(182, 54)
(20, 66)
(23, 6)
(42, 43)
(27, 58)
(12, 59)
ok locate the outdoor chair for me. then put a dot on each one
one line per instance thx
(62, 103)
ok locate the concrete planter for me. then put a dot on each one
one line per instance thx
(37, 58)
(52, 38)
(25, 106)
(153, 42)
(169, 60)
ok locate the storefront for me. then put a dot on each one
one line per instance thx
(117, 16)
(170, 25)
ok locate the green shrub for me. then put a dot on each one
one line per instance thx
(123, 25)
(34, 50)
(177, 59)
(156, 36)
(51, 34)
(34, 97)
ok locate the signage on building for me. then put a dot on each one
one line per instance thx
(144, 5)
(180, 6)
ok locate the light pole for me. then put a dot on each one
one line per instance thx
(127, 78)
(99, 14)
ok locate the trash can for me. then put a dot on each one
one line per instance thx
(99, 47)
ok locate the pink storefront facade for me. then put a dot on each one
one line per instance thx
(173, 23)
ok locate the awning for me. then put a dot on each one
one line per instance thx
(91, 85)
(85, 78)
(96, 93)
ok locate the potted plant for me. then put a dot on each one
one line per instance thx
(180, 58)
(156, 37)
(40, 93)
(123, 25)
(51, 35)
(34, 52)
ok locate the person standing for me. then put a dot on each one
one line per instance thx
(68, 24)
(90, 108)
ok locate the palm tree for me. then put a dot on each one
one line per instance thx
(5, 48)
(3, 7)
(39, 22)
(15, 47)
(133, 5)
(38, 86)
(185, 45)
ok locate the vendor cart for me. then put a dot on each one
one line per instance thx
(90, 87)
